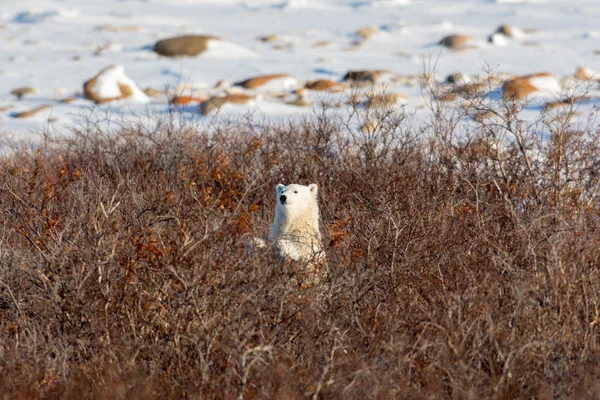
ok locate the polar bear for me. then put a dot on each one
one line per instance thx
(295, 232)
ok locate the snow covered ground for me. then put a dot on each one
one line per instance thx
(52, 47)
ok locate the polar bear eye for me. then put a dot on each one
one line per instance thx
(295, 191)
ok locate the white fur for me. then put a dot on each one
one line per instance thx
(295, 232)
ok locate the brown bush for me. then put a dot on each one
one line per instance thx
(460, 265)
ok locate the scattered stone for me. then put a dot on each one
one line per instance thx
(368, 75)
(586, 74)
(23, 91)
(323, 43)
(283, 46)
(270, 82)
(370, 126)
(510, 31)
(68, 99)
(5, 108)
(152, 92)
(323, 85)
(184, 100)
(32, 112)
(215, 103)
(409, 80)
(270, 39)
(520, 87)
(387, 100)
(483, 116)
(301, 99)
(449, 97)
(110, 46)
(367, 32)
(564, 103)
(553, 105)
(458, 78)
(222, 84)
(470, 90)
(457, 42)
(188, 45)
(111, 84)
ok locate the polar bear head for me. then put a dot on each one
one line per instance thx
(296, 199)
(296, 208)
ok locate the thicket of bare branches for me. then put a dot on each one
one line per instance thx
(462, 261)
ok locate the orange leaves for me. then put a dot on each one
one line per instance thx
(338, 231)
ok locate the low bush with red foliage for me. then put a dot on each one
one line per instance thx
(460, 265)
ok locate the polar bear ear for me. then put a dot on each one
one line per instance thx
(279, 187)
(314, 189)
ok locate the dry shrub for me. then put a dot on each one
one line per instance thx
(460, 264)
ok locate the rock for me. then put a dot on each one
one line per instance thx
(387, 100)
(111, 84)
(273, 82)
(510, 31)
(322, 85)
(188, 45)
(284, 46)
(367, 32)
(215, 103)
(520, 87)
(409, 80)
(152, 92)
(222, 84)
(23, 91)
(470, 90)
(301, 101)
(564, 103)
(32, 112)
(184, 100)
(323, 43)
(447, 97)
(69, 100)
(367, 75)
(458, 78)
(270, 39)
(457, 42)
(586, 74)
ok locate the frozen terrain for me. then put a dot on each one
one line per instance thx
(51, 47)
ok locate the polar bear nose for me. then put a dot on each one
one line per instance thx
(282, 198)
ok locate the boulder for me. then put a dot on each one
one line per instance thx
(23, 91)
(323, 85)
(586, 74)
(367, 32)
(387, 100)
(111, 84)
(456, 42)
(510, 31)
(521, 87)
(274, 82)
(188, 45)
(216, 102)
(367, 75)
(32, 112)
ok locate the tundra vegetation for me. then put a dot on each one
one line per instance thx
(462, 259)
